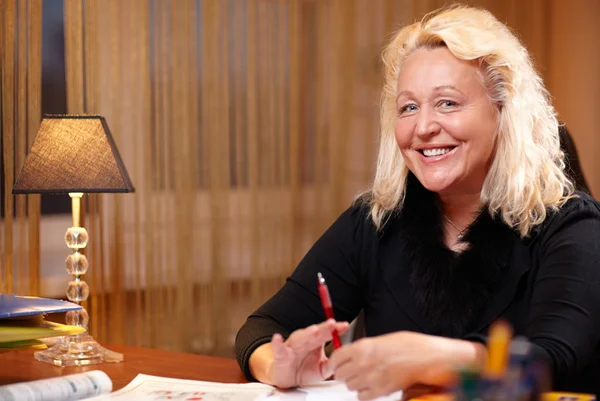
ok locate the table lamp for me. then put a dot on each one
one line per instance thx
(74, 154)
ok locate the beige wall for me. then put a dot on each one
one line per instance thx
(574, 77)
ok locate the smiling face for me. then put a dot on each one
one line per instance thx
(446, 123)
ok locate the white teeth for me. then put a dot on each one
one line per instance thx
(436, 152)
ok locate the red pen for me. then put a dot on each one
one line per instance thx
(328, 308)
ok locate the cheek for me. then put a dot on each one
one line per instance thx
(476, 130)
(402, 131)
(487, 139)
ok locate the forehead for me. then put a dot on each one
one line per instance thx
(430, 68)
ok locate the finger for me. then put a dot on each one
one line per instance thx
(347, 373)
(331, 325)
(371, 388)
(338, 329)
(303, 338)
(325, 370)
(372, 385)
(368, 393)
(280, 350)
(313, 336)
(341, 356)
(342, 327)
(335, 327)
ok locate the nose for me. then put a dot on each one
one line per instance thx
(426, 124)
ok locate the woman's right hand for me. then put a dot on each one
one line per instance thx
(299, 360)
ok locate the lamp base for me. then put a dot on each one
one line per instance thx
(77, 350)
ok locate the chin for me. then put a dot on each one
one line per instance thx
(437, 188)
(435, 184)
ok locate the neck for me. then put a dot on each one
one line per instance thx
(461, 208)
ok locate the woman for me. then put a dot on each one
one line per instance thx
(470, 219)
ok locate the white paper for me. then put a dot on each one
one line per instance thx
(154, 388)
(78, 386)
(330, 390)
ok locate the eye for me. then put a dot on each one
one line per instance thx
(448, 104)
(407, 108)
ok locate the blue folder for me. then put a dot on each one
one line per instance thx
(17, 306)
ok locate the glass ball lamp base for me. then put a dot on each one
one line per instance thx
(80, 349)
(77, 350)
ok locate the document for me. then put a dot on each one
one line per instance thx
(22, 323)
(330, 390)
(79, 386)
(96, 386)
(145, 387)
(155, 388)
(20, 306)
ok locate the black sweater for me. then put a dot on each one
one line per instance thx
(547, 285)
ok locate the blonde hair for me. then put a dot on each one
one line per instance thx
(526, 176)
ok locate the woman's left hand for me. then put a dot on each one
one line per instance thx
(381, 365)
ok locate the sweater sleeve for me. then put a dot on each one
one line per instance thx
(563, 324)
(564, 316)
(337, 255)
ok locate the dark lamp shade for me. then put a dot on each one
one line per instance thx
(73, 153)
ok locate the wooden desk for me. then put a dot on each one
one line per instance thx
(20, 366)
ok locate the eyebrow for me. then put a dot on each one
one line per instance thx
(437, 89)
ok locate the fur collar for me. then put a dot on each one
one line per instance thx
(451, 289)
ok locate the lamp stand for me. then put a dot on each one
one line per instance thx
(79, 349)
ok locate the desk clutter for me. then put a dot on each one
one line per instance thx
(23, 324)
(510, 374)
(95, 385)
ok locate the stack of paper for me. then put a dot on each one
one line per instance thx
(22, 323)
